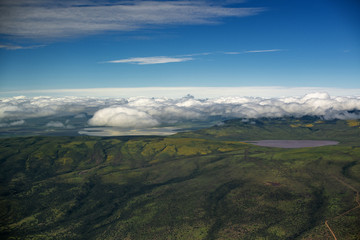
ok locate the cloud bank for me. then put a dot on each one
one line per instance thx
(145, 112)
(59, 19)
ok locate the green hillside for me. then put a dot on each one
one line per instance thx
(307, 127)
(206, 184)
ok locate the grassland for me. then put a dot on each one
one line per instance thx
(206, 184)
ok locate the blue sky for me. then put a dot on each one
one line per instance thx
(88, 44)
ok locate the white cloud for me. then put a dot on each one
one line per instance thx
(55, 124)
(16, 47)
(80, 115)
(254, 51)
(233, 53)
(33, 107)
(11, 47)
(264, 51)
(158, 111)
(17, 123)
(146, 112)
(151, 60)
(123, 117)
(57, 19)
(181, 58)
(13, 124)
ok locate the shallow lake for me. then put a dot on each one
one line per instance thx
(114, 131)
(293, 143)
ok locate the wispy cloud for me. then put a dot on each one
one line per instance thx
(197, 54)
(264, 51)
(16, 47)
(181, 58)
(59, 19)
(255, 51)
(233, 53)
(151, 60)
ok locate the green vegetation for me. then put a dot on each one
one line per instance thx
(307, 127)
(205, 184)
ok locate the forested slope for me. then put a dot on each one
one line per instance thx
(207, 184)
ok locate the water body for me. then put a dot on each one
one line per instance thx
(293, 143)
(113, 131)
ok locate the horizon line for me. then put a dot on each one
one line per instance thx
(181, 91)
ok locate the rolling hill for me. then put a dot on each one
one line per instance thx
(205, 184)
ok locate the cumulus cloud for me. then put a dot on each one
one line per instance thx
(123, 117)
(13, 124)
(55, 124)
(151, 60)
(17, 123)
(58, 19)
(159, 111)
(164, 111)
(146, 112)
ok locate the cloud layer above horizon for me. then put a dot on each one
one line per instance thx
(145, 112)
